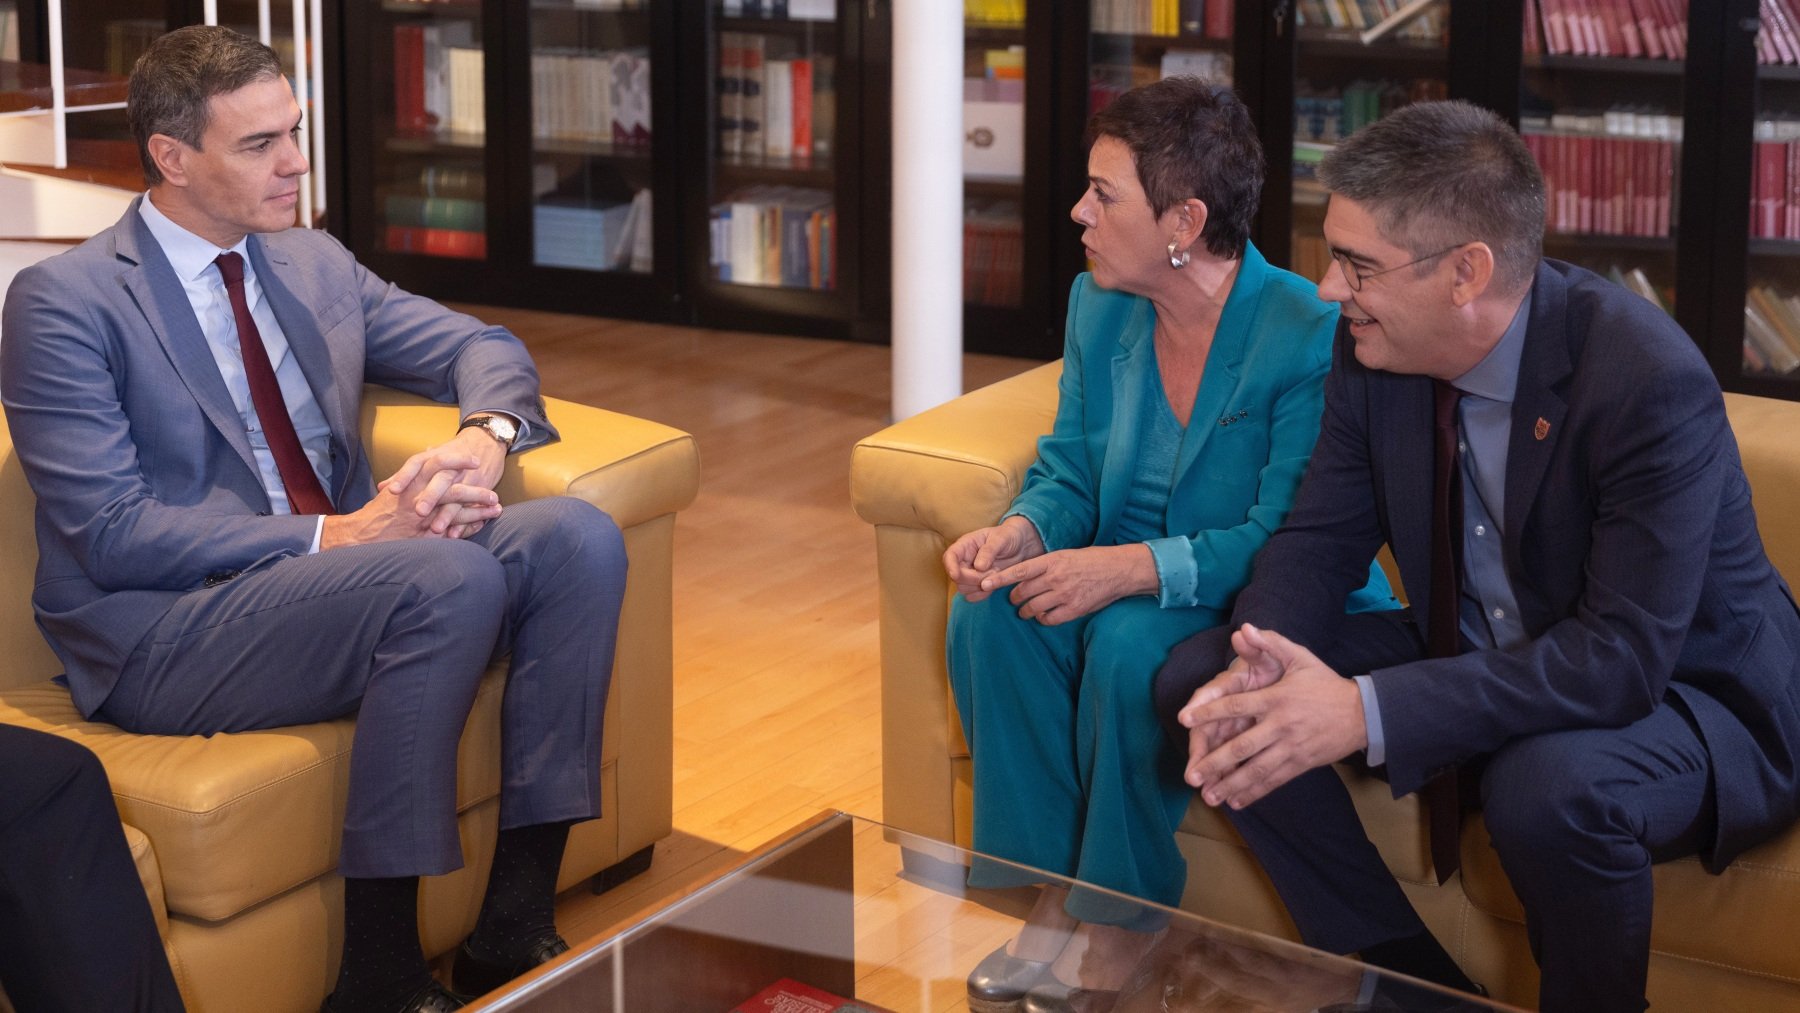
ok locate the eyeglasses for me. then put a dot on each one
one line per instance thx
(1355, 276)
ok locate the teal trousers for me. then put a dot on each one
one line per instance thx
(1073, 775)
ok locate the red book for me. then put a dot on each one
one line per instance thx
(1218, 20)
(409, 80)
(1628, 29)
(1612, 29)
(803, 108)
(1556, 27)
(1645, 13)
(1790, 226)
(1534, 35)
(1665, 185)
(1584, 175)
(790, 996)
(1770, 192)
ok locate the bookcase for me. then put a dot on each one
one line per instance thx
(774, 195)
(753, 189)
(507, 152)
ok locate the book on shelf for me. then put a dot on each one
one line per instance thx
(775, 101)
(774, 235)
(1608, 173)
(628, 87)
(778, 108)
(435, 212)
(1623, 29)
(780, 10)
(1164, 18)
(592, 96)
(753, 103)
(579, 232)
(994, 12)
(800, 74)
(433, 242)
(730, 89)
(1370, 21)
(993, 247)
(1775, 179)
(1775, 340)
(790, 996)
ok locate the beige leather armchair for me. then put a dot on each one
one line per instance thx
(236, 836)
(1719, 942)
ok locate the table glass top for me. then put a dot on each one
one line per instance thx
(844, 915)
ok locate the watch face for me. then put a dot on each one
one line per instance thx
(502, 428)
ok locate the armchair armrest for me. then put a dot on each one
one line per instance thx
(632, 468)
(958, 466)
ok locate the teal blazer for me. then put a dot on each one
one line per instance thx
(1248, 439)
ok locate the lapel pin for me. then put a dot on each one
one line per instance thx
(1543, 428)
(1229, 418)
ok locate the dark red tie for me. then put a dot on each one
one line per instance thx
(305, 495)
(1443, 637)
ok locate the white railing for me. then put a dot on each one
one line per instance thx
(309, 68)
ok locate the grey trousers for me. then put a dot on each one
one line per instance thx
(400, 632)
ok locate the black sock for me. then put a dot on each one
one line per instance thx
(1420, 956)
(383, 962)
(520, 903)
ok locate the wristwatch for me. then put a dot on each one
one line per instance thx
(498, 426)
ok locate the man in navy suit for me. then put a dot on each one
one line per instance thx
(1612, 657)
(184, 394)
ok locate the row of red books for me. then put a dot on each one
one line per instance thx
(1779, 39)
(1610, 183)
(1636, 29)
(1775, 188)
(460, 243)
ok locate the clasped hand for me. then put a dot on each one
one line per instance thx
(1050, 587)
(446, 491)
(1276, 712)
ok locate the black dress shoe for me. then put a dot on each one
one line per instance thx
(475, 975)
(1001, 980)
(1053, 996)
(430, 997)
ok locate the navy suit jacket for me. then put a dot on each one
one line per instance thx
(145, 481)
(1629, 540)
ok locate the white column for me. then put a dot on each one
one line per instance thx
(927, 212)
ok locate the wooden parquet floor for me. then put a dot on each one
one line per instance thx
(777, 680)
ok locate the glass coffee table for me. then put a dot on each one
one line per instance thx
(843, 915)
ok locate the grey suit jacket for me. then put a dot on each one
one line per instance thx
(1629, 539)
(144, 479)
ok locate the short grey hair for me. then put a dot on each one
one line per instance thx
(176, 78)
(1434, 174)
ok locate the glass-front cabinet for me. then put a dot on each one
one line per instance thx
(1353, 64)
(423, 162)
(592, 184)
(776, 209)
(506, 152)
(1601, 108)
(1767, 359)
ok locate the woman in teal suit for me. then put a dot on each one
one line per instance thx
(1189, 401)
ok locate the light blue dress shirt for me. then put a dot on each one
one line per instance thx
(1489, 614)
(192, 258)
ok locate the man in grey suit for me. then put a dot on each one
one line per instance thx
(1600, 640)
(183, 391)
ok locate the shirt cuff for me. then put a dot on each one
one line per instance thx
(1376, 754)
(318, 536)
(1177, 574)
